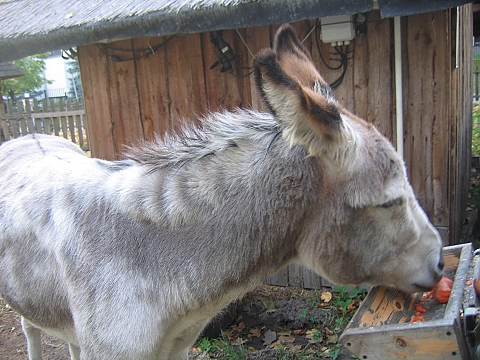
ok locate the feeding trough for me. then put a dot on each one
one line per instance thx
(382, 327)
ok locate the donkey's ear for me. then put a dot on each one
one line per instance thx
(297, 95)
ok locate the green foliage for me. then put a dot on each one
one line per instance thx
(33, 67)
(346, 298)
(74, 81)
(476, 130)
(222, 348)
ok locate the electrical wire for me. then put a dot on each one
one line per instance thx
(341, 55)
(148, 51)
(226, 57)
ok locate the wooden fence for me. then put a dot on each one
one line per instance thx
(60, 118)
(476, 84)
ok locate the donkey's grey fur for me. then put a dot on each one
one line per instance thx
(130, 259)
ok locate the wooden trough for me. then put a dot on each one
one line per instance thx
(381, 328)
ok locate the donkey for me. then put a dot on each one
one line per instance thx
(130, 259)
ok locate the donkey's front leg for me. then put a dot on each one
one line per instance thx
(186, 339)
(34, 340)
(74, 352)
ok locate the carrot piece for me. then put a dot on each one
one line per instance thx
(420, 308)
(443, 290)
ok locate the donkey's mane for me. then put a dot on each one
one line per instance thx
(216, 133)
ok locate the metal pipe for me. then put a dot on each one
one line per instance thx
(397, 34)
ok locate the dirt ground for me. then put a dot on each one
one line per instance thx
(268, 322)
(13, 345)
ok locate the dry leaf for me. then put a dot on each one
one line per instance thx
(256, 332)
(326, 296)
(296, 347)
(269, 338)
(351, 307)
(332, 339)
(286, 339)
(313, 336)
(277, 345)
(299, 332)
(237, 341)
(283, 332)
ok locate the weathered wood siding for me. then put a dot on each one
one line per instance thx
(127, 101)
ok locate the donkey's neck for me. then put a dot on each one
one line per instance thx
(234, 211)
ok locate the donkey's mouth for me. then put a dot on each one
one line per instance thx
(422, 288)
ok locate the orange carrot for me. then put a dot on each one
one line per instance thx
(420, 308)
(441, 291)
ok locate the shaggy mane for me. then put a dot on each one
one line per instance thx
(216, 133)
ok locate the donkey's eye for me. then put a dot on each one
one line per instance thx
(392, 203)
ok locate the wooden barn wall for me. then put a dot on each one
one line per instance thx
(461, 126)
(132, 100)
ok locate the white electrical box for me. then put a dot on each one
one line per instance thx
(338, 30)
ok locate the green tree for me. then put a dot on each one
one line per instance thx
(33, 67)
(74, 82)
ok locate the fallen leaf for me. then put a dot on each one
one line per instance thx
(313, 336)
(269, 337)
(277, 345)
(297, 347)
(237, 341)
(283, 332)
(351, 307)
(332, 339)
(299, 332)
(256, 332)
(286, 339)
(326, 296)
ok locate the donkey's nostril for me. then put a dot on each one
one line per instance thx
(441, 264)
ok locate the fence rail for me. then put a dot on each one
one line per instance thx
(60, 118)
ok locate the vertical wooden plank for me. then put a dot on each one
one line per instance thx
(295, 275)
(152, 84)
(78, 124)
(28, 110)
(461, 87)
(21, 119)
(360, 76)
(426, 118)
(310, 279)
(63, 119)
(380, 78)
(223, 88)
(441, 122)
(71, 123)
(280, 278)
(186, 82)
(125, 110)
(5, 131)
(14, 128)
(94, 73)
(242, 52)
(257, 38)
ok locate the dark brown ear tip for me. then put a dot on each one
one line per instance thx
(285, 35)
(286, 40)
